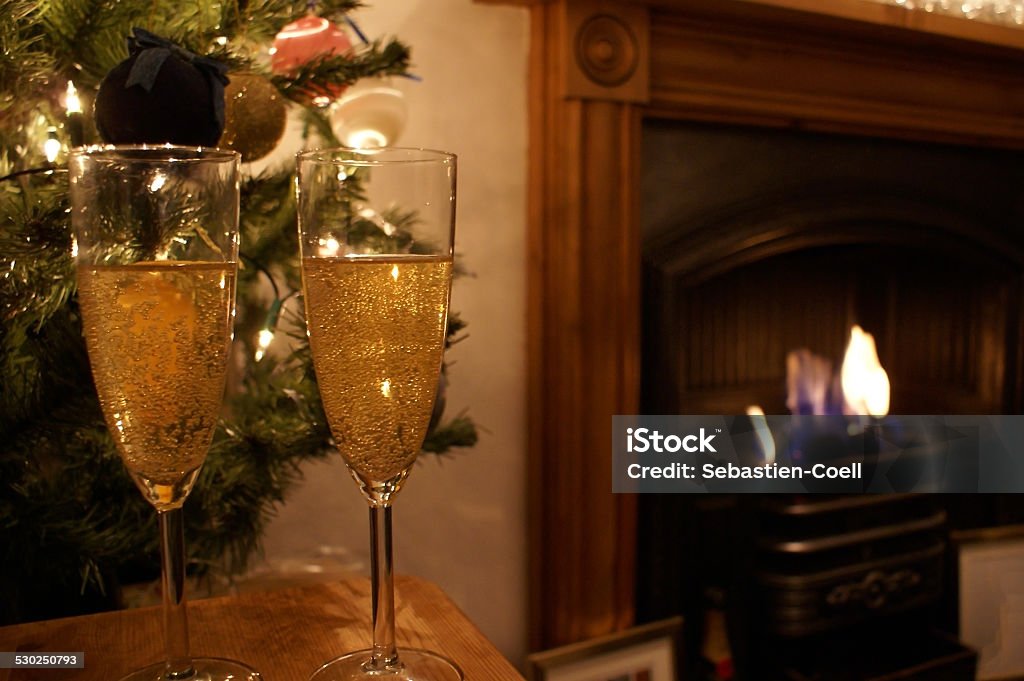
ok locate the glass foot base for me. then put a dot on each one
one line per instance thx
(206, 669)
(416, 665)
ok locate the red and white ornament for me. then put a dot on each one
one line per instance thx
(302, 41)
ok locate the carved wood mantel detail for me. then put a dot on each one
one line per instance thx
(608, 51)
(597, 69)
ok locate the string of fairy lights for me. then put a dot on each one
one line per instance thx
(1003, 12)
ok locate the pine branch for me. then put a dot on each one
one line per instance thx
(87, 37)
(455, 326)
(459, 432)
(35, 253)
(24, 64)
(311, 79)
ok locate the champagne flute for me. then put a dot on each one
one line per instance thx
(376, 231)
(156, 244)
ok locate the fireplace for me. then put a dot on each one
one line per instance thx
(757, 242)
(799, 67)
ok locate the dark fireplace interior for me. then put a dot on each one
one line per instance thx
(758, 242)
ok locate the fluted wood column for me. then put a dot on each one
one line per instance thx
(588, 75)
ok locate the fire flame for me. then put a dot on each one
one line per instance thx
(865, 383)
(764, 434)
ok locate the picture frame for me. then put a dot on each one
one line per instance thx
(650, 652)
(988, 572)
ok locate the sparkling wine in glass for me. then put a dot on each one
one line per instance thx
(156, 239)
(376, 231)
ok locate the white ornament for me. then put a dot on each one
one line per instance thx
(371, 113)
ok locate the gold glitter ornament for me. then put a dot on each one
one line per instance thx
(254, 116)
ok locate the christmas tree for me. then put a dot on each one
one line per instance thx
(72, 524)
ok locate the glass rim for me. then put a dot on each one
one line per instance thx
(124, 152)
(365, 157)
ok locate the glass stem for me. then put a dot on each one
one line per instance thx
(385, 655)
(172, 554)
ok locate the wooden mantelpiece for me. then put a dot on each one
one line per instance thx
(748, 62)
(831, 65)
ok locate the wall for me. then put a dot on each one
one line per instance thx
(461, 520)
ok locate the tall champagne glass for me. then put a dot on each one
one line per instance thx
(376, 229)
(156, 238)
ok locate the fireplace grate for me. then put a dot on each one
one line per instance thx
(828, 562)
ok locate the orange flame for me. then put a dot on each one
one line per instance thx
(865, 383)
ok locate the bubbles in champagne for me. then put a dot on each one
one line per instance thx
(158, 336)
(377, 328)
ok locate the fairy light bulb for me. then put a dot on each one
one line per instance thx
(266, 335)
(72, 103)
(52, 146)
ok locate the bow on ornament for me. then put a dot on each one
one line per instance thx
(151, 51)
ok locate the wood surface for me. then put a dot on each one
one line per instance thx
(285, 634)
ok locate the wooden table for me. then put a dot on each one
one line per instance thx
(286, 634)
